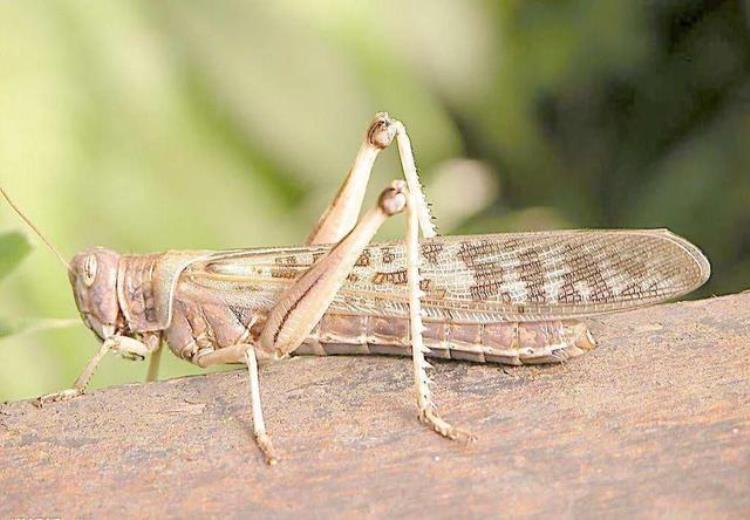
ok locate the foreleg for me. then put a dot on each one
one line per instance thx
(127, 347)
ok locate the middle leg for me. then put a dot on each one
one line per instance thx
(156, 346)
(245, 353)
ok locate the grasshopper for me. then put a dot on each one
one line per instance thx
(502, 298)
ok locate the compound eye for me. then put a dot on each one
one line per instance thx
(89, 270)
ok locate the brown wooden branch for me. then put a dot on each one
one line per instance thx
(654, 422)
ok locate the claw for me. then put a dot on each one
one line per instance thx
(434, 421)
(132, 356)
(63, 395)
(264, 442)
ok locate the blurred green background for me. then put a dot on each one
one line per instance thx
(146, 126)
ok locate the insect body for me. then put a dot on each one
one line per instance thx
(510, 298)
(505, 298)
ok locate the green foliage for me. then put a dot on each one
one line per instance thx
(29, 326)
(13, 248)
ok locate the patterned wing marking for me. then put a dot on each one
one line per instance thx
(485, 278)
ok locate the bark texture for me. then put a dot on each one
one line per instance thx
(653, 423)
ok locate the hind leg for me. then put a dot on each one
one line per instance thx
(342, 213)
(303, 304)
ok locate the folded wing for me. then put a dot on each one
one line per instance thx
(483, 278)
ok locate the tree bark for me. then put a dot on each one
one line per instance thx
(654, 422)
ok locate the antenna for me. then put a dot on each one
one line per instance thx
(34, 228)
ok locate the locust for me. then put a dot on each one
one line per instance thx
(515, 298)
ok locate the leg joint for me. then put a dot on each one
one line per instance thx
(381, 131)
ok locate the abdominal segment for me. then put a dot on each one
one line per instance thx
(197, 329)
(512, 343)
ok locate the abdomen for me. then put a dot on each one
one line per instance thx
(200, 328)
(511, 343)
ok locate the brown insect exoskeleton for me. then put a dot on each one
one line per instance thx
(503, 298)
